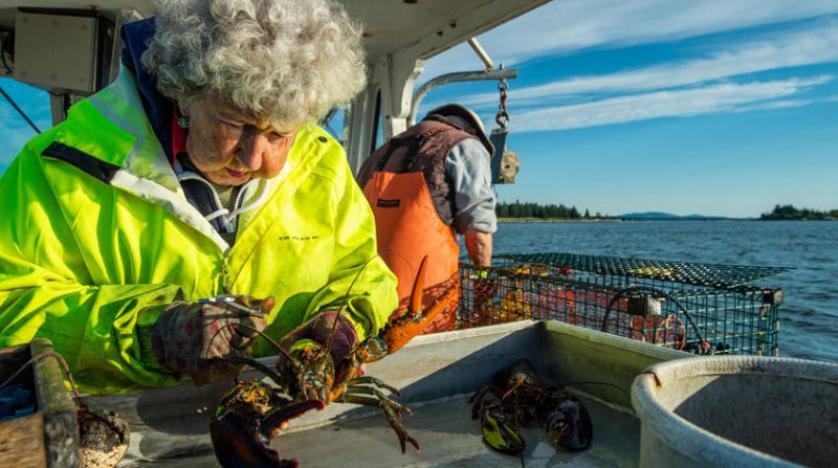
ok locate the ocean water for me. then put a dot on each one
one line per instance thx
(809, 315)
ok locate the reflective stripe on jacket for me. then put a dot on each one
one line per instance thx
(96, 230)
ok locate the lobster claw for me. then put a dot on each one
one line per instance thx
(413, 322)
(272, 422)
(418, 287)
(569, 426)
(240, 440)
(497, 433)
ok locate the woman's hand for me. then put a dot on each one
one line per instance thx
(199, 338)
(315, 333)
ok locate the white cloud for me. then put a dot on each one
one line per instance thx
(781, 104)
(570, 25)
(681, 103)
(818, 45)
(787, 103)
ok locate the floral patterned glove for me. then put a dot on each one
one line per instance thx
(198, 338)
(316, 332)
(305, 343)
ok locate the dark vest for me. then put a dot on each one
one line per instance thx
(421, 148)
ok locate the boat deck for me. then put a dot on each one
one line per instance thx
(436, 374)
(448, 437)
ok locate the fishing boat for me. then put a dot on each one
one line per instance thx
(594, 324)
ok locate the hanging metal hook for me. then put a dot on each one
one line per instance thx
(502, 117)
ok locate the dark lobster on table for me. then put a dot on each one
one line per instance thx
(515, 396)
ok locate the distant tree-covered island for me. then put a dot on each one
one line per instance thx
(520, 211)
(788, 212)
(535, 212)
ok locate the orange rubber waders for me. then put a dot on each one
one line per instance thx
(409, 229)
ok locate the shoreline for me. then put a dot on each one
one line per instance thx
(630, 220)
(559, 220)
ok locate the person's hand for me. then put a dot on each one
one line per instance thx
(199, 338)
(312, 335)
(485, 291)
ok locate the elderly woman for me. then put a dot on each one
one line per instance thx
(143, 234)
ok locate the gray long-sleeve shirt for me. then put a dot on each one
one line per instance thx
(468, 168)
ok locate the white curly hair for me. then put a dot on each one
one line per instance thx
(288, 61)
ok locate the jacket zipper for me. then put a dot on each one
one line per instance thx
(225, 272)
(225, 256)
(216, 200)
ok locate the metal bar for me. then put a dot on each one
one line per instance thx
(19, 111)
(456, 78)
(481, 53)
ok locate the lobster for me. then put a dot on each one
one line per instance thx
(515, 396)
(254, 412)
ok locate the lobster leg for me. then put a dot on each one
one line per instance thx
(375, 397)
(369, 396)
(477, 401)
(395, 422)
(368, 379)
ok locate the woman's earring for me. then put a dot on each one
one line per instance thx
(183, 122)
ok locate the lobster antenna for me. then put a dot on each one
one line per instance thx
(258, 366)
(269, 340)
(345, 303)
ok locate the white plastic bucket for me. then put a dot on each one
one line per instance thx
(738, 411)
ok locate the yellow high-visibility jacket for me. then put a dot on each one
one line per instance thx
(96, 231)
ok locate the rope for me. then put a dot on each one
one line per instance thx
(666, 295)
(40, 357)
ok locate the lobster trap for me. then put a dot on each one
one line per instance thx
(694, 307)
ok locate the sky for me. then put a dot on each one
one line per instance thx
(715, 107)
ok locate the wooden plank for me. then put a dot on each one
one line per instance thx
(22, 442)
(61, 431)
(21, 439)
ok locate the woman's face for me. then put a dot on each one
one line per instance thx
(230, 148)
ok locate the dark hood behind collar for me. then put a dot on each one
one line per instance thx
(158, 108)
(160, 111)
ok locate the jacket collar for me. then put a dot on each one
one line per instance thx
(158, 108)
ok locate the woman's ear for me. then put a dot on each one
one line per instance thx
(183, 117)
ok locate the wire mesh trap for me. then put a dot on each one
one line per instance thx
(694, 307)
